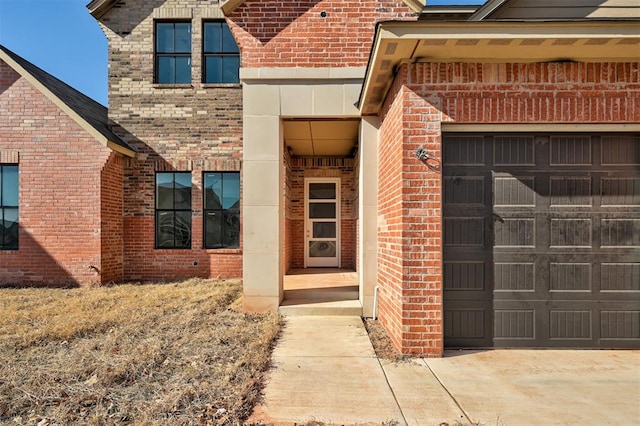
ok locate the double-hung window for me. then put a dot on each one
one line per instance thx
(173, 53)
(221, 209)
(221, 56)
(173, 210)
(8, 207)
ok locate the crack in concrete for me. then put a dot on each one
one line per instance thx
(448, 393)
(395, 398)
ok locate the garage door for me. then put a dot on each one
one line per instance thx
(542, 240)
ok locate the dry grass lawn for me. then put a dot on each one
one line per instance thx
(177, 353)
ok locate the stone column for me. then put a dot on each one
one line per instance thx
(368, 212)
(262, 209)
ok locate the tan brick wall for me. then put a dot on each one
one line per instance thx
(410, 224)
(192, 127)
(62, 224)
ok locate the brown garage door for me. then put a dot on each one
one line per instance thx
(542, 240)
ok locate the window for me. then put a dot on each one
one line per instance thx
(222, 210)
(221, 55)
(173, 53)
(8, 207)
(173, 210)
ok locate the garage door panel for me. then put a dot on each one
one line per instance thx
(467, 150)
(468, 323)
(570, 232)
(514, 231)
(514, 150)
(620, 277)
(464, 231)
(620, 232)
(620, 325)
(570, 191)
(620, 191)
(467, 280)
(571, 150)
(557, 263)
(512, 191)
(620, 150)
(514, 324)
(464, 190)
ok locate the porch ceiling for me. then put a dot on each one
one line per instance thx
(325, 138)
(580, 41)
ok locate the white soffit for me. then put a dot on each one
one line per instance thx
(524, 42)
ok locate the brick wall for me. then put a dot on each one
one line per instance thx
(194, 127)
(111, 224)
(60, 192)
(410, 230)
(531, 93)
(390, 219)
(294, 34)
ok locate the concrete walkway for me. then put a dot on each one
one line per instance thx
(325, 369)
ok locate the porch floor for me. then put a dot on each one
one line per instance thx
(321, 291)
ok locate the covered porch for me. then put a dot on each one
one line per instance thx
(309, 193)
(321, 291)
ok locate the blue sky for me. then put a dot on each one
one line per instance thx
(61, 37)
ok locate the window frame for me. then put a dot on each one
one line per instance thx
(157, 210)
(157, 55)
(4, 247)
(206, 211)
(221, 54)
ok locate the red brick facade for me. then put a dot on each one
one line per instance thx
(296, 34)
(104, 230)
(410, 205)
(70, 209)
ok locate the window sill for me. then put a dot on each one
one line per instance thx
(220, 85)
(172, 86)
(223, 250)
(167, 249)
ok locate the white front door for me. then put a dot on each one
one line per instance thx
(322, 222)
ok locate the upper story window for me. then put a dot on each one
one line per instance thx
(173, 210)
(8, 207)
(173, 53)
(221, 56)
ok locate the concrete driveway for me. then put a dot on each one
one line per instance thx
(325, 369)
(523, 387)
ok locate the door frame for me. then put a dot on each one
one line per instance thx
(307, 229)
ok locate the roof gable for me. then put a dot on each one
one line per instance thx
(98, 8)
(89, 114)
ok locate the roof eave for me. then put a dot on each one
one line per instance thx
(228, 6)
(114, 146)
(400, 42)
(84, 124)
(99, 8)
(415, 5)
(486, 9)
